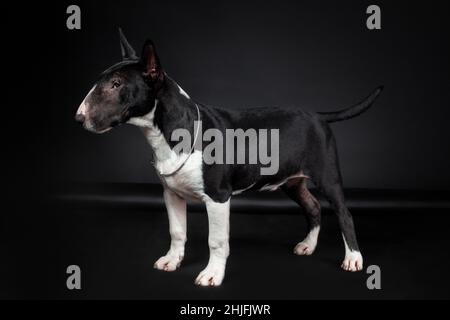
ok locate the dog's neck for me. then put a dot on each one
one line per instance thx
(172, 104)
(173, 109)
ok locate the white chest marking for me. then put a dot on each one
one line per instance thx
(188, 181)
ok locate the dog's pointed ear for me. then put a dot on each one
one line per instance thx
(128, 52)
(150, 61)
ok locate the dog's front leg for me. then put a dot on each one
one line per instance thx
(219, 249)
(176, 210)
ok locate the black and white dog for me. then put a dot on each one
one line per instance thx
(137, 91)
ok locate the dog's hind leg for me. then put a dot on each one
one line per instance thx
(327, 178)
(298, 191)
(353, 260)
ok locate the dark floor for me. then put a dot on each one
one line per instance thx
(116, 245)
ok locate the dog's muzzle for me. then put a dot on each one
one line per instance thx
(80, 118)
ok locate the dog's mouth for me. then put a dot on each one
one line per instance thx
(91, 126)
(115, 123)
(93, 129)
(124, 117)
(103, 131)
(101, 126)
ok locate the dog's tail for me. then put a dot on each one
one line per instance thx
(352, 111)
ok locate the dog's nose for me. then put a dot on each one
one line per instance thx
(80, 118)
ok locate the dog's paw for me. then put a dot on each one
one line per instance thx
(211, 276)
(353, 261)
(304, 249)
(168, 263)
(308, 245)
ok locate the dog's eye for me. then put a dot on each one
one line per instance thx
(116, 84)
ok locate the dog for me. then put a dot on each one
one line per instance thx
(138, 91)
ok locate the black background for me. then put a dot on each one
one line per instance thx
(314, 55)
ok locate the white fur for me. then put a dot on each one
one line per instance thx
(353, 260)
(308, 245)
(219, 249)
(176, 210)
(83, 110)
(188, 182)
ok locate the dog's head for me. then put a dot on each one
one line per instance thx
(125, 90)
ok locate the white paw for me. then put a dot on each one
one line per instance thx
(304, 248)
(211, 276)
(308, 245)
(168, 263)
(353, 261)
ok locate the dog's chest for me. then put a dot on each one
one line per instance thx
(186, 182)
